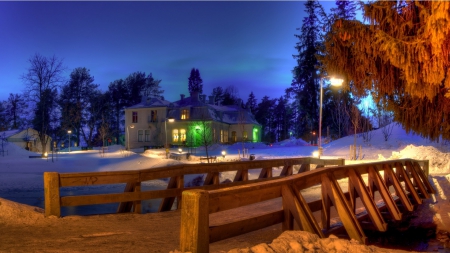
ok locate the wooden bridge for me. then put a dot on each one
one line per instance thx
(399, 185)
(131, 198)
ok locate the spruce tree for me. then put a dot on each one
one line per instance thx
(306, 80)
(195, 81)
(251, 102)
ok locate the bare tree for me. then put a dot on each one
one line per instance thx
(241, 119)
(43, 78)
(355, 116)
(204, 130)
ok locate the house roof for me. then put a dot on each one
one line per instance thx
(9, 133)
(231, 114)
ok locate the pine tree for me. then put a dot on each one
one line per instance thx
(195, 82)
(218, 95)
(251, 102)
(265, 116)
(151, 87)
(306, 80)
(15, 110)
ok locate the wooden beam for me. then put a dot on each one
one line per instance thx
(239, 227)
(304, 167)
(424, 177)
(167, 203)
(137, 204)
(241, 175)
(399, 191)
(346, 215)
(287, 171)
(194, 232)
(367, 200)
(51, 194)
(408, 184)
(125, 207)
(265, 173)
(377, 180)
(212, 178)
(326, 205)
(416, 179)
(300, 210)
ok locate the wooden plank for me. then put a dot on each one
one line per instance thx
(224, 231)
(241, 175)
(288, 221)
(416, 179)
(211, 178)
(246, 197)
(408, 184)
(98, 179)
(347, 217)
(304, 167)
(287, 171)
(51, 194)
(399, 191)
(137, 205)
(367, 200)
(265, 173)
(117, 197)
(424, 178)
(125, 207)
(326, 205)
(194, 232)
(167, 203)
(377, 180)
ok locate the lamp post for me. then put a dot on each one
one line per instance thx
(69, 132)
(165, 132)
(128, 137)
(334, 82)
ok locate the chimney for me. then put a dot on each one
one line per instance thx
(182, 96)
(211, 100)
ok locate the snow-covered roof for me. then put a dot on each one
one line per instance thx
(9, 133)
(151, 102)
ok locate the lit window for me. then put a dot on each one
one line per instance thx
(135, 117)
(233, 136)
(245, 135)
(184, 114)
(140, 135)
(175, 135)
(182, 135)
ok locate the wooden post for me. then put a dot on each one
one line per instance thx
(51, 194)
(194, 232)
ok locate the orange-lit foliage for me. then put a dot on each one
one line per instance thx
(402, 56)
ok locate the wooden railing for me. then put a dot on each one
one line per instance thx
(132, 196)
(407, 178)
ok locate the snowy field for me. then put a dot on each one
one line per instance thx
(21, 176)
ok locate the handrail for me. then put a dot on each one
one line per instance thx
(132, 196)
(406, 176)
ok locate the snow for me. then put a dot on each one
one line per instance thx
(21, 176)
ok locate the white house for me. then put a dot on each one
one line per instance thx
(25, 138)
(147, 123)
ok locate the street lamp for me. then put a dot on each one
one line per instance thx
(128, 137)
(165, 132)
(334, 82)
(69, 132)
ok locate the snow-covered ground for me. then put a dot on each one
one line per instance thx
(21, 176)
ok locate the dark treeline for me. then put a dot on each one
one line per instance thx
(53, 104)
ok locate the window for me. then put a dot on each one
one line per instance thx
(175, 135)
(135, 117)
(140, 135)
(154, 116)
(233, 136)
(245, 135)
(182, 135)
(147, 135)
(184, 114)
(223, 136)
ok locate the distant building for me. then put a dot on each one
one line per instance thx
(26, 138)
(146, 124)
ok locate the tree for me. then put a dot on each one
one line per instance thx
(3, 117)
(265, 116)
(15, 110)
(195, 81)
(151, 88)
(74, 101)
(401, 53)
(280, 120)
(117, 102)
(218, 95)
(306, 80)
(230, 95)
(44, 76)
(251, 102)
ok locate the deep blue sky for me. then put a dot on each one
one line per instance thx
(245, 44)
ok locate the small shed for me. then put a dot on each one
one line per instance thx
(25, 138)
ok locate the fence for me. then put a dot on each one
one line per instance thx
(130, 199)
(408, 178)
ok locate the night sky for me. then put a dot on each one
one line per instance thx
(245, 44)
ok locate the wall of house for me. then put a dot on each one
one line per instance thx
(147, 129)
(252, 131)
(29, 139)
